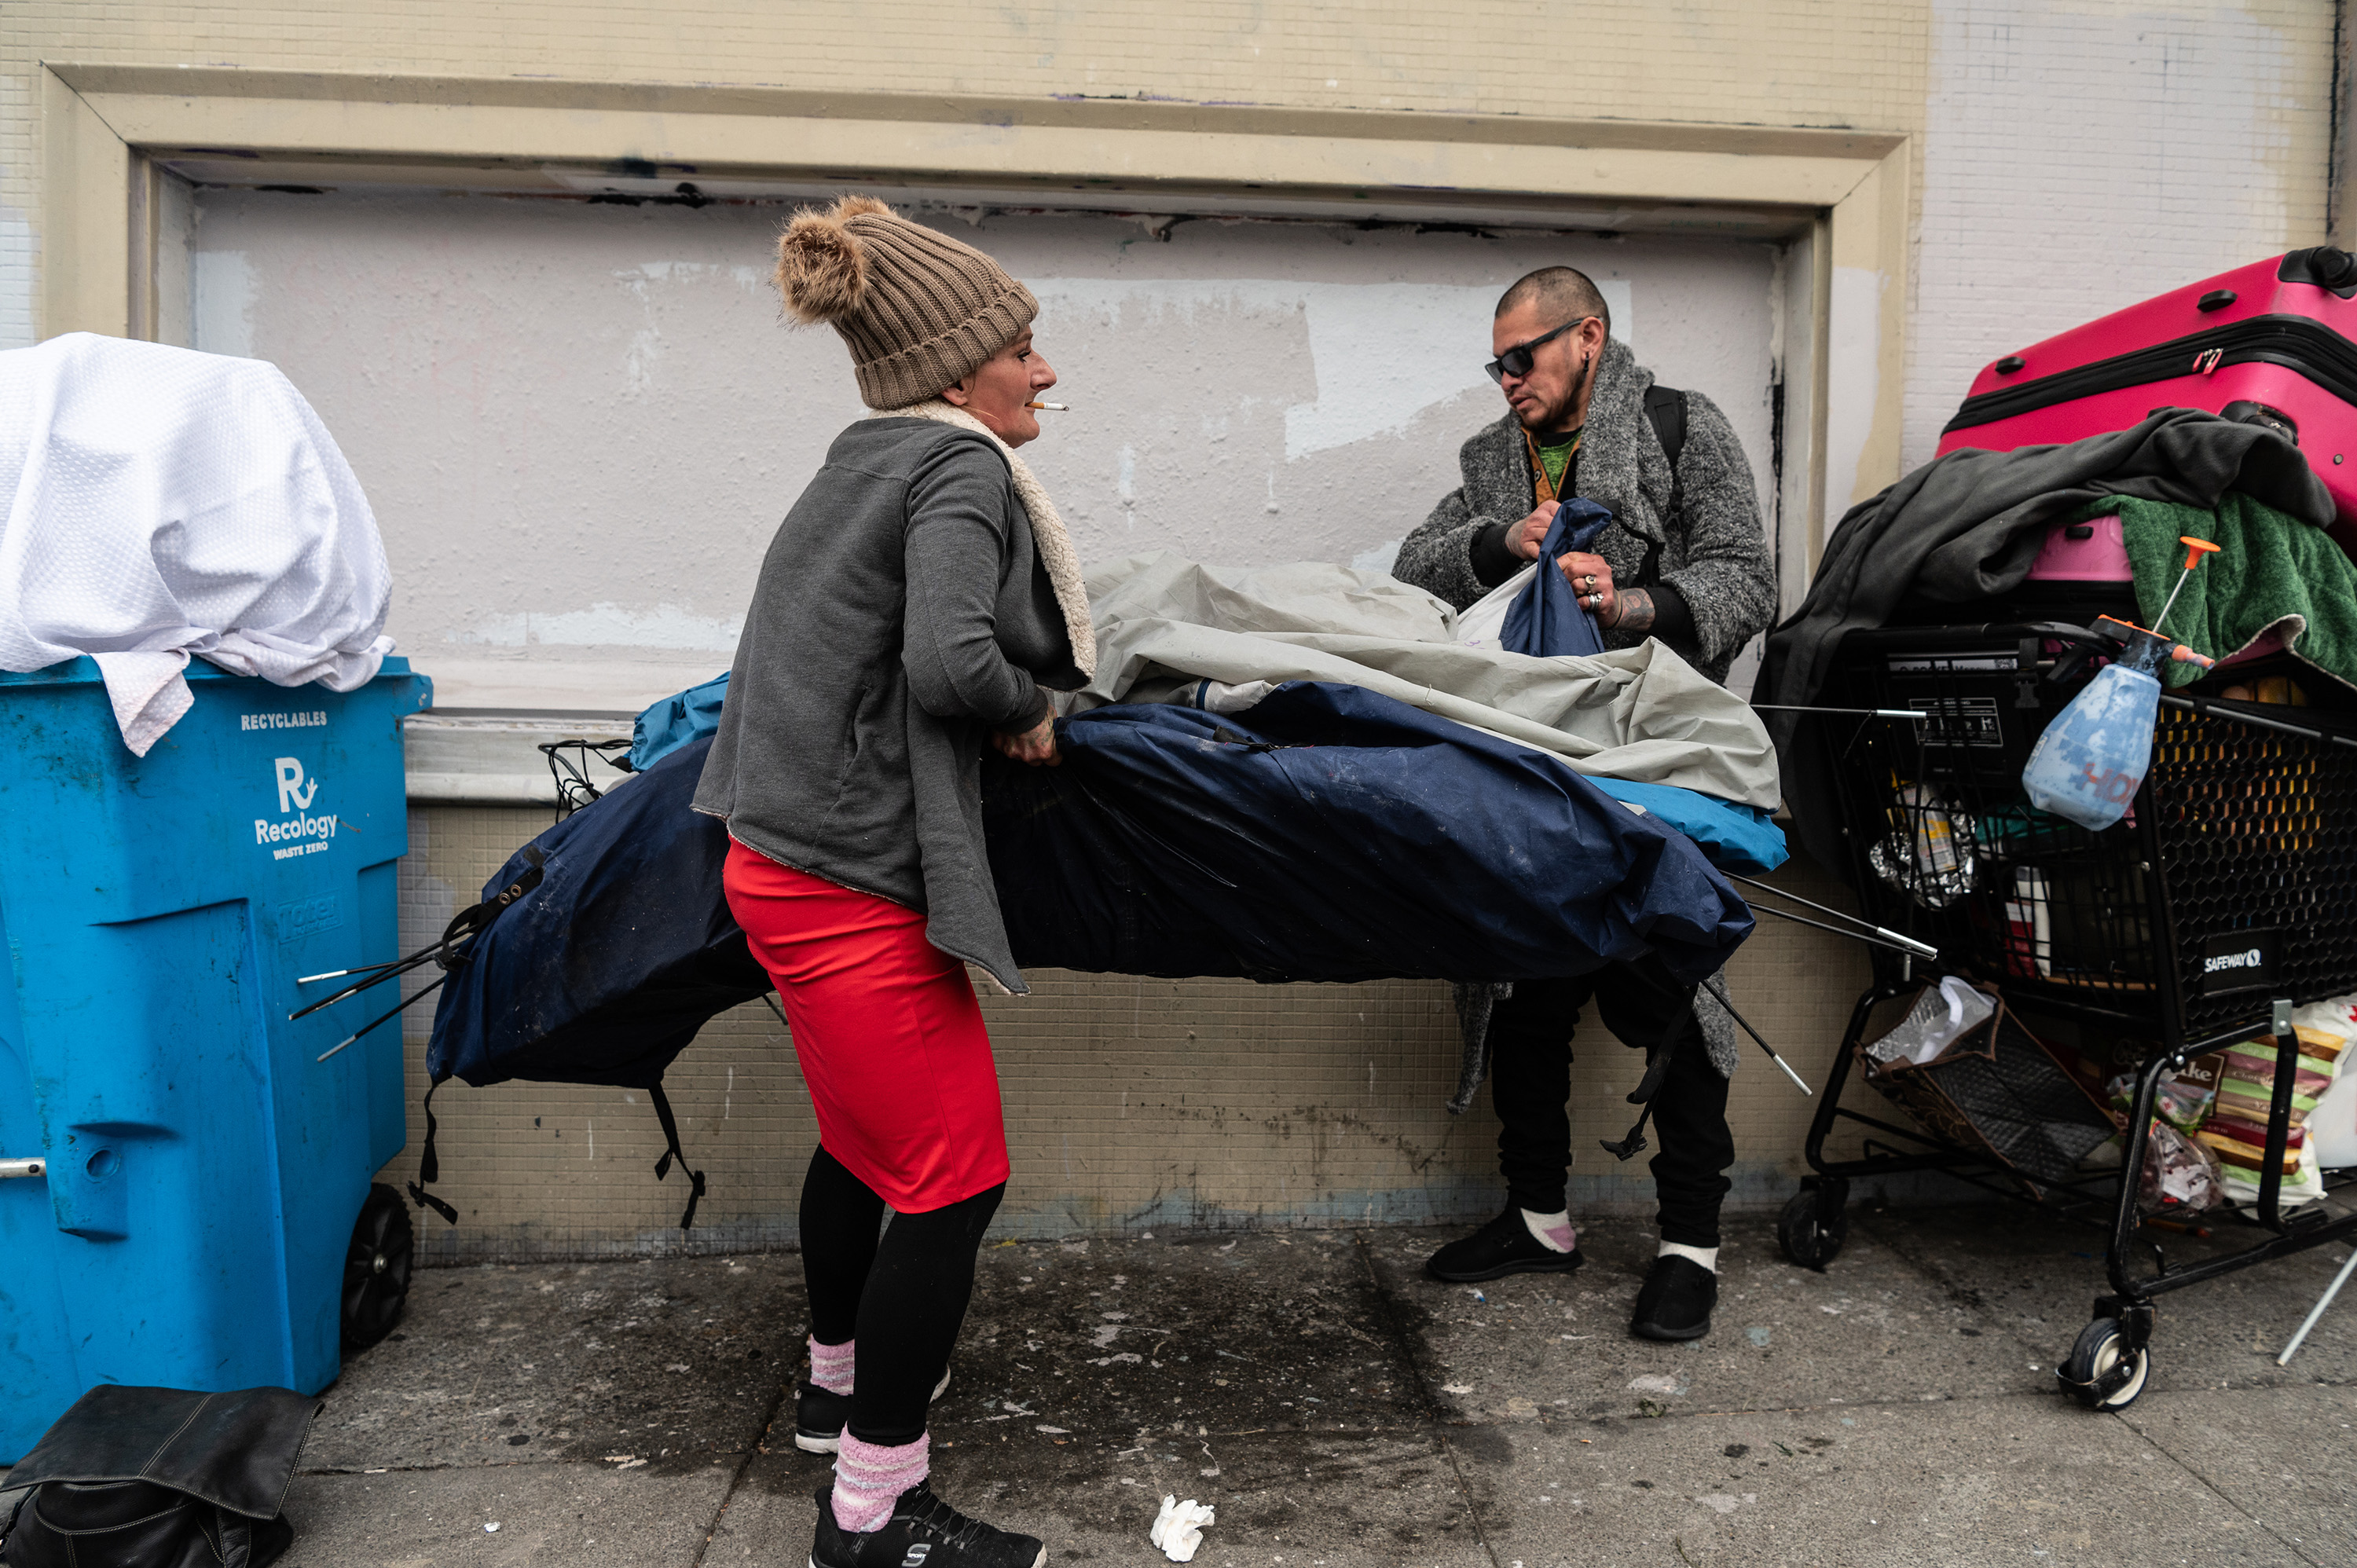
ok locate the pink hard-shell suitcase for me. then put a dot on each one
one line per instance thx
(2273, 343)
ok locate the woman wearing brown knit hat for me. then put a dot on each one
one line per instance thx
(915, 600)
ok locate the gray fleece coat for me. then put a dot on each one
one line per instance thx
(902, 615)
(1715, 553)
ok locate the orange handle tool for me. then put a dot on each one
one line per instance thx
(2194, 549)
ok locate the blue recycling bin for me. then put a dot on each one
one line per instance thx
(184, 1166)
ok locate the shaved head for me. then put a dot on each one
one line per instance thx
(1560, 295)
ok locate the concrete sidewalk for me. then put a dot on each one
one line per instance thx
(1340, 1408)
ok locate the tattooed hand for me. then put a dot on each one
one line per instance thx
(1633, 611)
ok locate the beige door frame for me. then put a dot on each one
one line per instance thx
(1848, 191)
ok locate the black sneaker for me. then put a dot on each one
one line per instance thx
(1675, 1300)
(1503, 1246)
(819, 1416)
(923, 1532)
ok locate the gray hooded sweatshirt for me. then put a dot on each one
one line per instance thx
(901, 616)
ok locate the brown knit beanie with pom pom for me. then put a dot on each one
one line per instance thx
(919, 310)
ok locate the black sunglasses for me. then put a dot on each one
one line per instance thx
(1517, 361)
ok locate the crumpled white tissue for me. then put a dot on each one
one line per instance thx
(1179, 1529)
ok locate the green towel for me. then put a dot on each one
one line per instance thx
(2271, 569)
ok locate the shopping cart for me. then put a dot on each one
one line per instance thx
(2226, 898)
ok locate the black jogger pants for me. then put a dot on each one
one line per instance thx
(1530, 1077)
(903, 1295)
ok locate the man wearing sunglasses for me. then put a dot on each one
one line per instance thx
(1685, 562)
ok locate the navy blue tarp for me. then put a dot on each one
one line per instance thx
(1546, 617)
(1326, 833)
(1331, 833)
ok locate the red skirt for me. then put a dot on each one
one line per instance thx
(889, 1036)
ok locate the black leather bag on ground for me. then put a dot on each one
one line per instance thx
(159, 1479)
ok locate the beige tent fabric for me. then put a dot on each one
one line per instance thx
(1639, 714)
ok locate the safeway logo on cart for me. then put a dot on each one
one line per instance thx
(2240, 960)
(294, 832)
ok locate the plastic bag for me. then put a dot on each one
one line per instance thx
(2335, 1016)
(2180, 1176)
(2303, 1183)
(2183, 1102)
(2332, 1125)
(2236, 1130)
(2247, 1085)
(1942, 1016)
(1483, 624)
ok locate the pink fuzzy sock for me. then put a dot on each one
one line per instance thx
(830, 1366)
(870, 1478)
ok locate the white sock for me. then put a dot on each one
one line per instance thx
(1554, 1230)
(1706, 1256)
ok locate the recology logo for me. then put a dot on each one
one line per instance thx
(295, 832)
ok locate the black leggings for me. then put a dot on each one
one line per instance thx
(1530, 1046)
(903, 1295)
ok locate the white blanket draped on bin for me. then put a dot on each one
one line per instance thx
(160, 503)
(1639, 714)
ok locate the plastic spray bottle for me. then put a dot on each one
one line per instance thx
(2093, 759)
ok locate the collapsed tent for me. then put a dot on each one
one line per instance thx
(1172, 630)
(1326, 833)
(1292, 774)
(1165, 624)
(1330, 833)
(1639, 722)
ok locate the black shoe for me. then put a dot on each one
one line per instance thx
(1675, 1300)
(923, 1529)
(1503, 1246)
(819, 1416)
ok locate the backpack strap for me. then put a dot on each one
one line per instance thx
(1666, 407)
(429, 1167)
(663, 1167)
(1657, 1068)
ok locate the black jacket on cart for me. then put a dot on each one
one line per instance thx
(1965, 527)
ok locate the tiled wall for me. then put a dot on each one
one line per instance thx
(2079, 158)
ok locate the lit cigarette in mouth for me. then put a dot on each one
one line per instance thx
(1057, 407)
